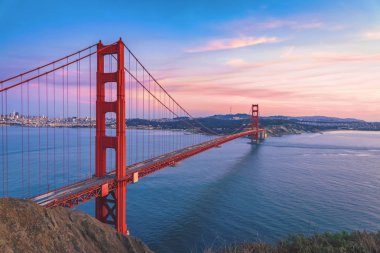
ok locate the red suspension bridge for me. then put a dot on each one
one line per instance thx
(84, 126)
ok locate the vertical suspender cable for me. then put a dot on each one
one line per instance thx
(77, 121)
(6, 145)
(143, 117)
(47, 132)
(22, 116)
(29, 125)
(149, 117)
(68, 116)
(54, 130)
(39, 132)
(129, 109)
(90, 73)
(5, 121)
(136, 141)
(63, 128)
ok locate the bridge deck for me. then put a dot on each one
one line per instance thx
(83, 191)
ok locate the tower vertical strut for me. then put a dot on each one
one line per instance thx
(255, 123)
(111, 206)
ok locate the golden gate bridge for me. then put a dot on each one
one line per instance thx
(51, 154)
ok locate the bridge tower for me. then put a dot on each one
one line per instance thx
(255, 123)
(110, 208)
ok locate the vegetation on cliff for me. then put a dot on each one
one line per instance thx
(354, 242)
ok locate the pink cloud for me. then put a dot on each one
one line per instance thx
(296, 83)
(374, 35)
(334, 57)
(223, 44)
(250, 24)
(228, 91)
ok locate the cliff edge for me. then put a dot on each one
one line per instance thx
(28, 227)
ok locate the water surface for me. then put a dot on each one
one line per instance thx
(295, 184)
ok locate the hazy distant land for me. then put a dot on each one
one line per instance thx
(221, 124)
(275, 125)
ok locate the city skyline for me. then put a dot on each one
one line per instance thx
(295, 58)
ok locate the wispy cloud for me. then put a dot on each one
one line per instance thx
(252, 24)
(227, 91)
(296, 81)
(236, 62)
(275, 24)
(232, 43)
(348, 57)
(375, 35)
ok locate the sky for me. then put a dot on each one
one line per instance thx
(292, 57)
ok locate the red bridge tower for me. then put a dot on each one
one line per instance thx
(111, 206)
(255, 123)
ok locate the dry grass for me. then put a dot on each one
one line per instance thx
(341, 242)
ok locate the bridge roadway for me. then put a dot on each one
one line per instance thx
(80, 192)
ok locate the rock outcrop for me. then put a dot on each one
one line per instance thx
(27, 227)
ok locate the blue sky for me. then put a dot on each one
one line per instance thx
(293, 57)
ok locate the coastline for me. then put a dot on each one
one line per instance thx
(279, 131)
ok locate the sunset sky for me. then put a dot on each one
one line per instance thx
(293, 57)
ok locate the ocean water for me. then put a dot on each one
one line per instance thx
(294, 184)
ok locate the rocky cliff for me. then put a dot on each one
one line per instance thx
(27, 227)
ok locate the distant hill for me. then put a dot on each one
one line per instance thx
(275, 125)
(316, 119)
(240, 116)
(237, 116)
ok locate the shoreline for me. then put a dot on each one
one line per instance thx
(272, 131)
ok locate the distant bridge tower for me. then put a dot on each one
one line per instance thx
(111, 206)
(255, 123)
